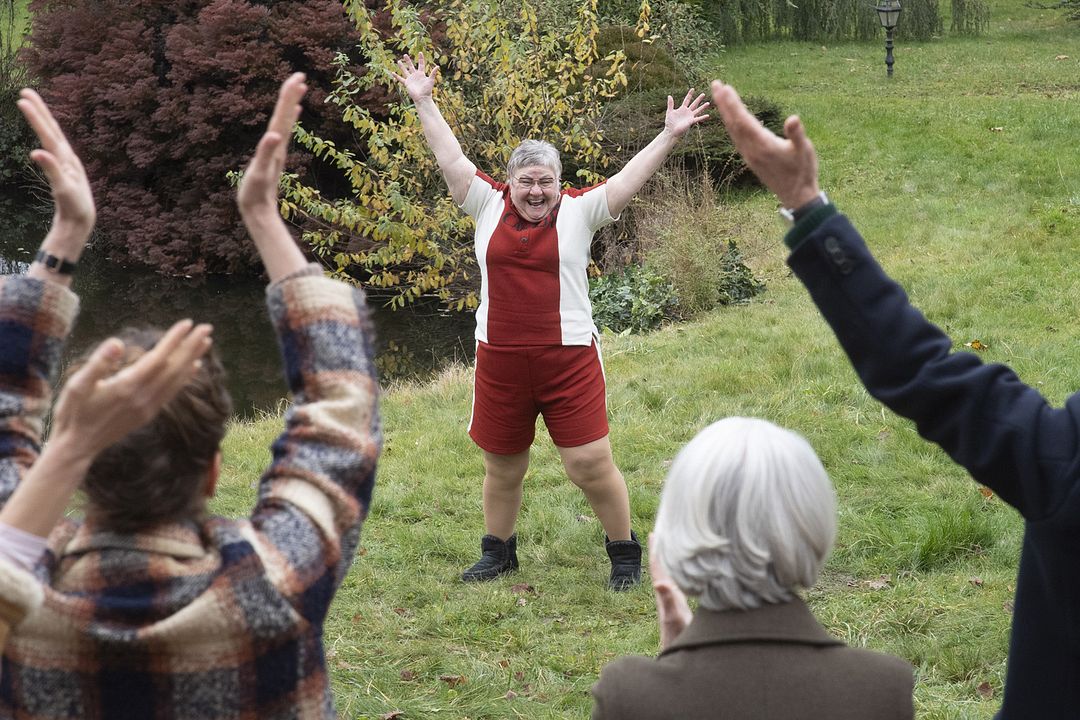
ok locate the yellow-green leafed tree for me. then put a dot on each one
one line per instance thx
(504, 78)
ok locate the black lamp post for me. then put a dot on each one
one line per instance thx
(888, 12)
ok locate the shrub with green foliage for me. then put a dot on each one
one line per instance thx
(16, 137)
(634, 300)
(691, 240)
(503, 78)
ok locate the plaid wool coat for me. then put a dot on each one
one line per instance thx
(217, 619)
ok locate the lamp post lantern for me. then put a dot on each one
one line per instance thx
(888, 13)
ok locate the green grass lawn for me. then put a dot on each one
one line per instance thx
(963, 172)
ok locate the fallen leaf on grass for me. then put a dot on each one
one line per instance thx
(1007, 606)
(584, 519)
(453, 680)
(1061, 57)
(357, 618)
(401, 611)
(510, 695)
(880, 583)
(504, 663)
(976, 580)
(997, 129)
(408, 675)
(522, 588)
(986, 492)
(976, 344)
(985, 691)
(522, 602)
(519, 676)
(393, 715)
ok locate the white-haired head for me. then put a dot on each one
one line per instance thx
(534, 152)
(747, 515)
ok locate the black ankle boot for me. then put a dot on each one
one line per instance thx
(625, 562)
(499, 557)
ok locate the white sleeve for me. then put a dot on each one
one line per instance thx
(481, 194)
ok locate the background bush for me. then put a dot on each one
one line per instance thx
(163, 98)
(636, 299)
(16, 137)
(691, 240)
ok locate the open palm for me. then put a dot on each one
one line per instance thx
(418, 81)
(692, 111)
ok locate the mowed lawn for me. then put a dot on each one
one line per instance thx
(963, 172)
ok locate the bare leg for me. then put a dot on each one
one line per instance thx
(503, 476)
(592, 469)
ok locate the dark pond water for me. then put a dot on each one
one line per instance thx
(411, 343)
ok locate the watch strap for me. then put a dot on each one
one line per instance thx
(55, 264)
(794, 215)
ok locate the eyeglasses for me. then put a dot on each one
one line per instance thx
(527, 183)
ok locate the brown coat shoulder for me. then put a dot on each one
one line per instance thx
(773, 662)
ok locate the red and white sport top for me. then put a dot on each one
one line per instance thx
(534, 289)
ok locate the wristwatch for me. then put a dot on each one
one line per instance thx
(55, 264)
(794, 215)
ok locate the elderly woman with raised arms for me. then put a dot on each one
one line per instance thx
(746, 518)
(537, 348)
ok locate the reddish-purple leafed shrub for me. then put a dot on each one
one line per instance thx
(163, 97)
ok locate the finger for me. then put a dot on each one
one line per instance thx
(397, 77)
(655, 569)
(49, 165)
(670, 104)
(262, 162)
(287, 108)
(796, 133)
(183, 364)
(156, 358)
(689, 94)
(697, 102)
(421, 63)
(41, 119)
(741, 124)
(101, 364)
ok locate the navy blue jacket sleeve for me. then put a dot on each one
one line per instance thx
(1001, 430)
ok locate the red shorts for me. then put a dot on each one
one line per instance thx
(512, 385)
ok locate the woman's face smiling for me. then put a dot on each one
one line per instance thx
(534, 191)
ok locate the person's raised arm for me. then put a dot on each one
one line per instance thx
(73, 203)
(787, 165)
(623, 185)
(257, 195)
(37, 310)
(315, 494)
(1001, 430)
(419, 82)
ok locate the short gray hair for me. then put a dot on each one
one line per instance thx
(747, 515)
(534, 152)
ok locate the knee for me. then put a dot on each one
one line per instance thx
(586, 469)
(505, 472)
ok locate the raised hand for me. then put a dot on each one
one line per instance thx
(73, 202)
(100, 404)
(788, 166)
(258, 191)
(672, 609)
(417, 80)
(257, 195)
(692, 111)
